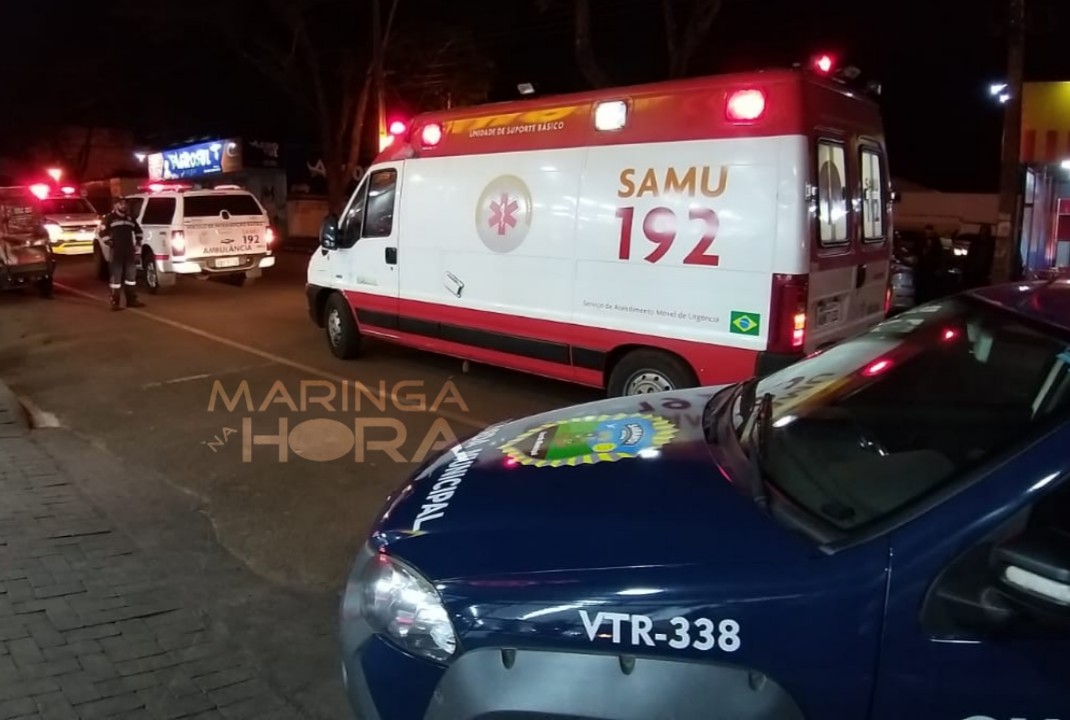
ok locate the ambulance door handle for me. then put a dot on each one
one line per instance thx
(860, 277)
(391, 256)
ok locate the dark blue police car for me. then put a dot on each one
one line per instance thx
(880, 531)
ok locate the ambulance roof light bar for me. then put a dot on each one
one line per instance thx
(610, 115)
(745, 106)
(156, 187)
(40, 190)
(431, 135)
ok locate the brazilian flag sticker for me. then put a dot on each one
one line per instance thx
(745, 323)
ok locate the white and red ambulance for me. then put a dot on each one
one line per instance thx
(639, 239)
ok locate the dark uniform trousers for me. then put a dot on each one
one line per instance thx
(124, 236)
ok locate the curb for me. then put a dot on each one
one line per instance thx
(14, 420)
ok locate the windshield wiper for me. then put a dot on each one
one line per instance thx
(761, 427)
(715, 410)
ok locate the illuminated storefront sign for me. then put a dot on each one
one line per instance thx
(208, 158)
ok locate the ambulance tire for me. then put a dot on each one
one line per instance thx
(343, 335)
(647, 371)
(151, 273)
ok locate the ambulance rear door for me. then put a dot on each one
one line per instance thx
(850, 249)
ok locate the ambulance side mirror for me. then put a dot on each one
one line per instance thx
(329, 232)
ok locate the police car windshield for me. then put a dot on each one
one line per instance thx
(235, 205)
(66, 206)
(868, 427)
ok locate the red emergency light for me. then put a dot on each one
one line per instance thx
(156, 187)
(40, 190)
(823, 63)
(877, 367)
(68, 190)
(398, 128)
(745, 106)
(431, 135)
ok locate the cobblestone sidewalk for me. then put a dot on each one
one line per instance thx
(90, 626)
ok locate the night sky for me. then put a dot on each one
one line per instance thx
(153, 68)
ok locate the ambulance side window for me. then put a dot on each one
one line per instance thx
(379, 216)
(832, 193)
(159, 211)
(353, 220)
(135, 206)
(873, 200)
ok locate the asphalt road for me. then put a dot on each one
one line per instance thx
(162, 388)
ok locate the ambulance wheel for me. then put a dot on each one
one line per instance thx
(103, 271)
(151, 273)
(342, 333)
(642, 372)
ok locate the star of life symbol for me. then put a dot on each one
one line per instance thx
(503, 214)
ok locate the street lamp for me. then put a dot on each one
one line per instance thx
(55, 174)
(996, 89)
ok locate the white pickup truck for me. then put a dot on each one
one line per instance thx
(222, 232)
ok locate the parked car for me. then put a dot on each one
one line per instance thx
(864, 534)
(26, 258)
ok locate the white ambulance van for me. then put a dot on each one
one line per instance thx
(639, 239)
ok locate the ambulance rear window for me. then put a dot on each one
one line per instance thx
(873, 200)
(832, 192)
(199, 206)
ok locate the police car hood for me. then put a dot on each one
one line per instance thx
(624, 482)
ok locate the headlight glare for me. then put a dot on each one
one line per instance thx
(400, 604)
(53, 230)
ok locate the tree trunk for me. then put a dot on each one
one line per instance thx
(589, 66)
(356, 135)
(337, 179)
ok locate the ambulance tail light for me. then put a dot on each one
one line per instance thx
(788, 327)
(745, 106)
(178, 243)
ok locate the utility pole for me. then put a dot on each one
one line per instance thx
(1007, 235)
(378, 63)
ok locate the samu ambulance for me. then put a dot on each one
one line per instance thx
(640, 239)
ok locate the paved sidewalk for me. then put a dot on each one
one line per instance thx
(102, 621)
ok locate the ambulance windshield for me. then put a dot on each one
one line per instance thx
(877, 423)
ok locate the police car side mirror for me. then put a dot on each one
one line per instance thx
(1034, 574)
(329, 232)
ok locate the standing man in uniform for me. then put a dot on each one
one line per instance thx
(123, 235)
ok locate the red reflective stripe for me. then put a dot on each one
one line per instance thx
(162, 257)
(663, 112)
(713, 364)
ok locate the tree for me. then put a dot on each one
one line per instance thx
(321, 55)
(441, 67)
(313, 49)
(686, 25)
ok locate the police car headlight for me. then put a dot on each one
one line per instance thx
(400, 604)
